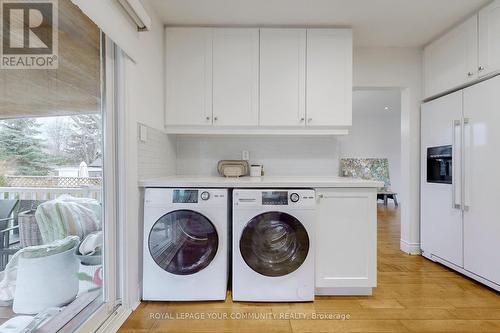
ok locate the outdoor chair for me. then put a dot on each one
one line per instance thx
(9, 213)
(7, 208)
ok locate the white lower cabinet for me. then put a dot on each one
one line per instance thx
(346, 241)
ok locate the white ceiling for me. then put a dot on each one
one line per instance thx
(373, 102)
(398, 23)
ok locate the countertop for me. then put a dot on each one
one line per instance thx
(259, 182)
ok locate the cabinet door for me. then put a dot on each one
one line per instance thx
(282, 77)
(329, 77)
(188, 76)
(235, 77)
(481, 160)
(346, 238)
(489, 39)
(451, 61)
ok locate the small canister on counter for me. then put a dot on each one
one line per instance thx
(255, 170)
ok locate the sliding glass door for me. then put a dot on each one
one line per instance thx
(59, 230)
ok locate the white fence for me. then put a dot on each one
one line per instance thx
(52, 181)
(48, 193)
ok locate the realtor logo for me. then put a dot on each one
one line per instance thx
(29, 34)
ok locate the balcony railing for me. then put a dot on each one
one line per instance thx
(50, 187)
(48, 193)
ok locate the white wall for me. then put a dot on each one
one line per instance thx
(376, 132)
(285, 155)
(145, 105)
(144, 93)
(400, 68)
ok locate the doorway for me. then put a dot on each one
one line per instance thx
(373, 147)
(58, 225)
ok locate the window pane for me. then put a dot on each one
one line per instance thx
(51, 178)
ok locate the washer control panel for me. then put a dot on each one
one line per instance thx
(185, 197)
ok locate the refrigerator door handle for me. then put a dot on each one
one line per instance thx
(465, 163)
(457, 124)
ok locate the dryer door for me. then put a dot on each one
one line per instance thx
(183, 242)
(274, 244)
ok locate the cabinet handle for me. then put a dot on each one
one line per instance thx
(321, 196)
(215, 118)
(481, 68)
(470, 74)
(302, 119)
(309, 120)
(208, 118)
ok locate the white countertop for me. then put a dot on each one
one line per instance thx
(259, 182)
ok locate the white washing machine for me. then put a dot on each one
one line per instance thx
(185, 244)
(273, 246)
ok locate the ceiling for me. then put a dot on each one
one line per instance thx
(387, 23)
(374, 102)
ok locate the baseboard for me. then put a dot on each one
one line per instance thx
(341, 291)
(410, 248)
(461, 270)
(135, 303)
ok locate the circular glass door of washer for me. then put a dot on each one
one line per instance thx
(183, 242)
(274, 244)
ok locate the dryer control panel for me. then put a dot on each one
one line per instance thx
(299, 198)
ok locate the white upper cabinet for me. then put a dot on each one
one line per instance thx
(489, 39)
(235, 77)
(451, 61)
(188, 76)
(282, 77)
(464, 55)
(329, 77)
(253, 81)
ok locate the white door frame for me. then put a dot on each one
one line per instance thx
(113, 311)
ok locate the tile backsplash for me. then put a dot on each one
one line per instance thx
(281, 156)
(156, 154)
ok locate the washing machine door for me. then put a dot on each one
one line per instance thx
(274, 244)
(183, 242)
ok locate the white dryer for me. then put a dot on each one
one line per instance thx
(273, 245)
(185, 244)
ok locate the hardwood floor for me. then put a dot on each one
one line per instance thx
(413, 295)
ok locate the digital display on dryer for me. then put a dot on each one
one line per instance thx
(185, 196)
(275, 198)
